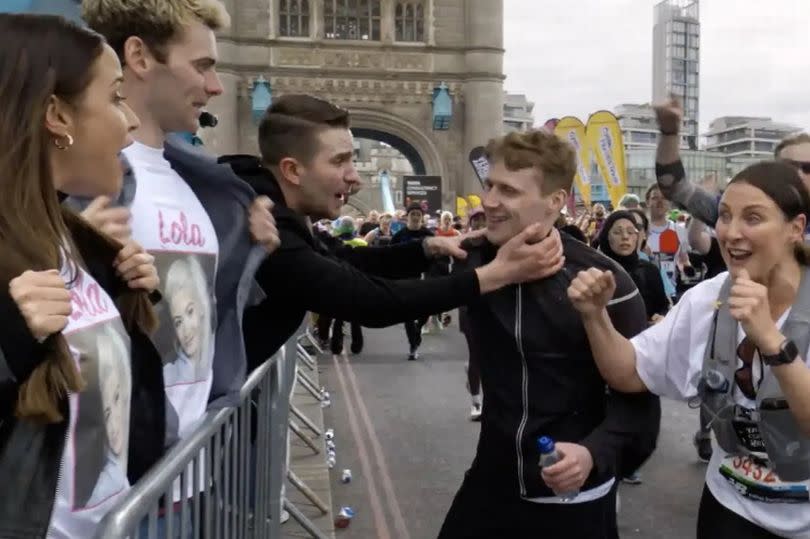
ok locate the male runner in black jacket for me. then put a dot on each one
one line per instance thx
(538, 374)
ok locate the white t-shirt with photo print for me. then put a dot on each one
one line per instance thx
(669, 360)
(93, 472)
(171, 224)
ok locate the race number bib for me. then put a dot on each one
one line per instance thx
(748, 432)
(754, 479)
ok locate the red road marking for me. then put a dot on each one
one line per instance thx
(385, 475)
(376, 509)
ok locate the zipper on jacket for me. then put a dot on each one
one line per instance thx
(524, 387)
(59, 469)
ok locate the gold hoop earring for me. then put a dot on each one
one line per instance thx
(68, 142)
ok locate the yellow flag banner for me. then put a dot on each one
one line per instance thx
(572, 130)
(605, 139)
(474, 200)
(461, 207)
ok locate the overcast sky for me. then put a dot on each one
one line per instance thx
(578, 56)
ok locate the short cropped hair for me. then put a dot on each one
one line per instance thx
(540, 150)
(156, 22)
(793, 140)
(291, 125)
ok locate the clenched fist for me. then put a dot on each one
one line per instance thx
(136, 267)
(670, 116)
(591, 291)
(263, 224)
(44, 301)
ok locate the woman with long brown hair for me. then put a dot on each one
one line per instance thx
(71, 442)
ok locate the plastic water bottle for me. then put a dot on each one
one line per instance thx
(548, 457)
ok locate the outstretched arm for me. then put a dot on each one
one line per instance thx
(298, 275)
(669, 169)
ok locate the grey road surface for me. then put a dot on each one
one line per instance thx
(402, 428)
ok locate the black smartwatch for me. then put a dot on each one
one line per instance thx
(787, 354)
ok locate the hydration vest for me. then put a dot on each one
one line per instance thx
(778, 435)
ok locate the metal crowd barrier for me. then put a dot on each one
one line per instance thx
(233, 467)
(233, 482)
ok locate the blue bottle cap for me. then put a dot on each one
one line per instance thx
(545, 445)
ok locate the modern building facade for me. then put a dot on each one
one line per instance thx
(744, 136)
(733, 143)
(639, 126)
(746, 140)
(676, 59)
(517, 113)
(699, 164)
(382, 60)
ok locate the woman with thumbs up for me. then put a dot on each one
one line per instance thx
(736, 344)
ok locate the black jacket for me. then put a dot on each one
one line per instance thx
(647, 278)
(539, 379)
(355, 285)
(31, 453)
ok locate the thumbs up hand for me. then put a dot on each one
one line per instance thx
(748, 304)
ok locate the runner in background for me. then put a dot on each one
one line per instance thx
(347, 234)
(382, 234)
(413, 231)
(477, 221)
(443, 266)
(667, 242)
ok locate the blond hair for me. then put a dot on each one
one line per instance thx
(156, 22)
(538, 149)
(793, 140)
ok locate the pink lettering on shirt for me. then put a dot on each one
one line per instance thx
(86, 299)
(179, 232)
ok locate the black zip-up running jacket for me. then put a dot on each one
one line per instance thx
(539, 378)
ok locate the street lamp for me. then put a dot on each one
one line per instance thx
(261, 97)
(442, 108)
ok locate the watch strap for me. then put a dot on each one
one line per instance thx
(788, 352)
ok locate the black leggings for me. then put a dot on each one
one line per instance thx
(336, 342)
(413, 329)
(473, 372)
(715, 521)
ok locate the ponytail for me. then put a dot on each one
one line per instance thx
(39, 398)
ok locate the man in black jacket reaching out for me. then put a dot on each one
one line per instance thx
(538, 374)
(307, 170)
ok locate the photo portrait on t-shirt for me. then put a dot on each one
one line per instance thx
(101, 433)
(188, 313)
